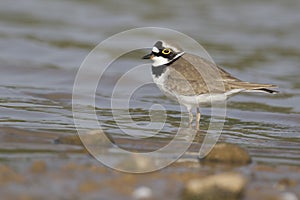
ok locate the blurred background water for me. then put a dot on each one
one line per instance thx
(43, 43)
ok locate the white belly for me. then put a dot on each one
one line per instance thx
(206, 99)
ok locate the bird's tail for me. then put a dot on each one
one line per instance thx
(256, 87)
(266, 90)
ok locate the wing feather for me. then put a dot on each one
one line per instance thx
(192, 75)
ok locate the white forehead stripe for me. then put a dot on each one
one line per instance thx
(173, 47)
(155, 50)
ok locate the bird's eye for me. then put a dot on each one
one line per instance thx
(166, 51)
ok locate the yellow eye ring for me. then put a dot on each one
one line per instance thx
(166, 51)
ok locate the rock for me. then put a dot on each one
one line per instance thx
(95, 142)
(284, 183)
(68, 139)
(135, 163)
(89, 186)
(8, 175)
(228, 153)
(225, 186)
(38, 167)
(142, 192)
(267, 194)
(288, 196)
(95, 137)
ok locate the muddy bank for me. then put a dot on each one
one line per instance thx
(80, 176)
(46, 168)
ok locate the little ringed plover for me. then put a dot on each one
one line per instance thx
(194, 81)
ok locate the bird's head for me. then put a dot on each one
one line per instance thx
(164, 53)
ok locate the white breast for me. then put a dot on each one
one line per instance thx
(160, 80)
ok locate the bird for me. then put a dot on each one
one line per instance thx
(194, 81)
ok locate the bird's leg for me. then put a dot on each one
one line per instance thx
(198, 116)
(190, 117)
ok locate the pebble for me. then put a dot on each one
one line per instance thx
(228, 153)
(225, 186)
(284, 183)
(8, 175)
(88, 186)
(288, 196)
(136, 164)
(142, 192)
(38, 167)
(89, 139)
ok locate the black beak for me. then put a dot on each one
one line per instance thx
(148, 56)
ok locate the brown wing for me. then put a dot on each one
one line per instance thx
(192, 75)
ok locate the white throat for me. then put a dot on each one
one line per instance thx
(159, 60)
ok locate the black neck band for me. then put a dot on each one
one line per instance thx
(157, 71)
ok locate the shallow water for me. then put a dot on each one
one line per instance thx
(43, 43)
